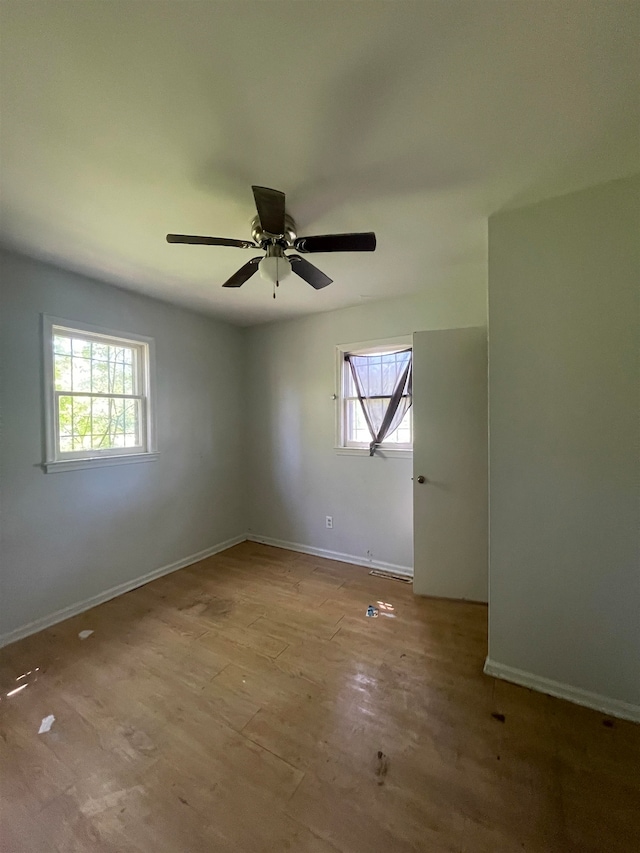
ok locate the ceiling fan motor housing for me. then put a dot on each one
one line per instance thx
(285, 240)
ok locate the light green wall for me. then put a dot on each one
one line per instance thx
(564, 375)
(68, 536)
(294, 477)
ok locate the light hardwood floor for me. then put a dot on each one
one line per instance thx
(248, 704)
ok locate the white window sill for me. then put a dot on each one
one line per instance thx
(381, 452)
(98, 462)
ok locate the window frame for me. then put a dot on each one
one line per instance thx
(57, 460)
(386, 449)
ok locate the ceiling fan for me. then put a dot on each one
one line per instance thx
(274, 231)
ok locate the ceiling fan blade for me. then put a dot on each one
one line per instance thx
(270, 207)
(210, 241)
(364, 242)
(312, 275)
(243, 274)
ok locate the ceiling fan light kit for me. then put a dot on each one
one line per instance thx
(274, 232)
(275, 266)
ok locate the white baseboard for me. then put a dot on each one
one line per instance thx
(113, 592)
(613, 707)
(406, 571)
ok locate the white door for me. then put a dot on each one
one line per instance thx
(450, 451)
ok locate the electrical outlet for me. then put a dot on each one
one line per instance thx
(330, 522)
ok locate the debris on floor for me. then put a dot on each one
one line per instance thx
(84, 634)
(46, 724)
(608, 723)
(372, 611)
(382, 766)
(499, 717)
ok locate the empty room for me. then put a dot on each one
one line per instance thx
(319, 426)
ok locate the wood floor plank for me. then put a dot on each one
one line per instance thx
(247, 704)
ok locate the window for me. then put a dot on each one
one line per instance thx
(98, 396)
(379, 371)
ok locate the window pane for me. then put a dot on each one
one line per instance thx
(100, 375)
(131, 418)
(389, 372)
(127, 382)
(101, 352)
(61, 345)
(81, 373)
(100, 414)
(65, 416)
(62, 372)
(379, 408)
(402, 435)
(116, 384)
(98, 423)
(373, 383)
(81, 348)
(356, 428)
(74, 419)
(93, 367)
(378, 374)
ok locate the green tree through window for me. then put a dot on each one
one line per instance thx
(97, 394)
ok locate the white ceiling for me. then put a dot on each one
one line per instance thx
(122, 121)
